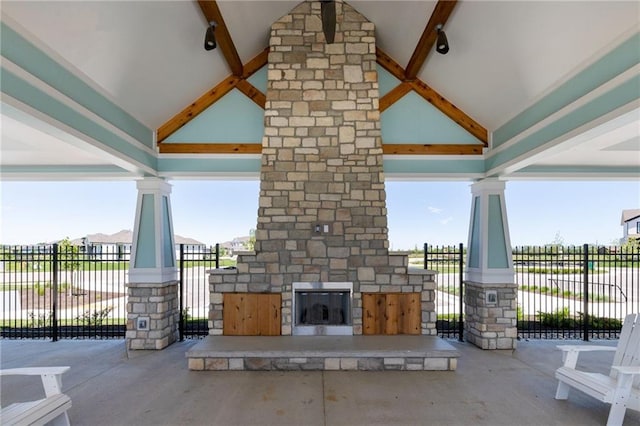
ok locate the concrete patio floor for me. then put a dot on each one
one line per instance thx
(109, 386)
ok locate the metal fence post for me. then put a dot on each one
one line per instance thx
(181, 324)
(461, 293)
(585, 293)
(425, 249)
(54, 294)
(217, 255)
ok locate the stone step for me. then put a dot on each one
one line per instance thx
(401, 352)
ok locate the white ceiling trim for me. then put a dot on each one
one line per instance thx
(59, 59)
(56, 94)
(77, 139)
(583, 100)
(66, 177)
(433, 177)
(577, 70)
(603, 124)
(210, 175)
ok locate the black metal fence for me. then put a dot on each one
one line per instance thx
(448, 261)
(72, 292)
(194, 288)
(577, 292)
(63, 291)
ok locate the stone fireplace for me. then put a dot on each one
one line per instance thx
(322, 217)
(322, 309)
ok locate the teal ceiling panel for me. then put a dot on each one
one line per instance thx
(189, 166)
(414, 120)
(619, 96)
(424, 165)
(620, 59)
(24, 92)
(259, 79)
(233, 119)
(28, 57)
(386, 81)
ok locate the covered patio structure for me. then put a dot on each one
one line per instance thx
(111, 386)
(321, 101)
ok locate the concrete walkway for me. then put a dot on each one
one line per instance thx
(109, 386)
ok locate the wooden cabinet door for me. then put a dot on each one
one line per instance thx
(251, 314)
(391, 313)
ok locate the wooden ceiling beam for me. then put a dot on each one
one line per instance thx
(213, 95)
(432, 149)
(252, 93)
(386, 62)
(451, 111)
(256, 63)
(199, 105)
(439, 16)
(211, 12)
(256, 148)
(210, 148)
(429, 94)
(394, 95)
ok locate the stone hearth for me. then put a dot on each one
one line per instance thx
(347, 353)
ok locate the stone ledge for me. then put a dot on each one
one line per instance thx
(222, 271)
(375, 353)
(419, 271)
(152, 285)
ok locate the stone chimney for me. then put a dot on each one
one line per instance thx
(322, 213)
(322, 210)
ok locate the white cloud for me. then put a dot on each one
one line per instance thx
(434, 210)
(447, 220)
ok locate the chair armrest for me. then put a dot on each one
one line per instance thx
(33, 371)
(632, 370)
(570, 352)
(51, 377)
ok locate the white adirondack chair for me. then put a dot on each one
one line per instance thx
(621, 388)
(50, 410)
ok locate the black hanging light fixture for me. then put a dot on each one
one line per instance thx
(328, 14)
(442, 44)
(210, 36)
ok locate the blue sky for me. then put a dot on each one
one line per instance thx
(419, 212)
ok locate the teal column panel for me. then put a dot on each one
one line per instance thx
(146, 249)
(497, 250)
(169, 254)
(474, 242)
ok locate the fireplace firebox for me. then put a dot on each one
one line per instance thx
(322, 308)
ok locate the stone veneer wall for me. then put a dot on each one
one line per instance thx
(322, 164)
(491, 325)
(159, 303)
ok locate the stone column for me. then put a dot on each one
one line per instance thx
(152, 304)
(490, 289)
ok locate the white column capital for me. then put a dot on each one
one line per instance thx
(489, 257)
(153, 258)
(154, 184)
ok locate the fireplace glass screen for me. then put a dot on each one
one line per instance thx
(323, 308)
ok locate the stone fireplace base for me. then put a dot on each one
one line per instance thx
(348, 353)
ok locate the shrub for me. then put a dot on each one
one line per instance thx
(96, 317)
(559, 318)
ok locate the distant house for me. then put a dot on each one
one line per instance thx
(236, 245)
(630, 224)
(120, 244)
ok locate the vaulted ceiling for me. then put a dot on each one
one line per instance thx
(147, 57)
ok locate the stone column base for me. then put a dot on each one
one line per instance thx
(152, 315)
(490, 320)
